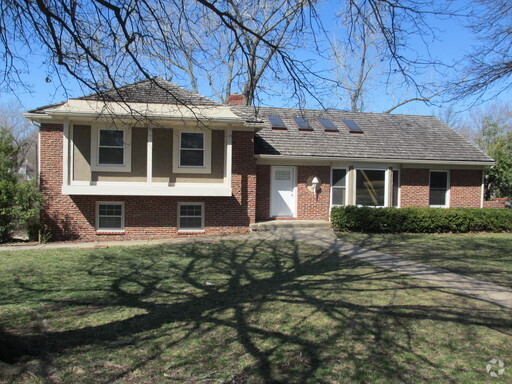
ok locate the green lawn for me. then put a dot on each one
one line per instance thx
(487, 257)
(236, 312)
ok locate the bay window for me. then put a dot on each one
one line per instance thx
(371, 187)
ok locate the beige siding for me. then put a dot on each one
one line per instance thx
(162, 158)
(82, 153)
(139, 161)
(162, 154)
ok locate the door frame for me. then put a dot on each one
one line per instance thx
(294, 191)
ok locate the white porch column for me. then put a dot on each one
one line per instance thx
(66, 161)
(229, 157)
(149, 155)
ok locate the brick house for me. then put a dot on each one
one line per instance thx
(153, 159)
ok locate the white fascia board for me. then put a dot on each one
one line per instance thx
(144, 110)
(37, 117)
(366, 160)
(148, 190)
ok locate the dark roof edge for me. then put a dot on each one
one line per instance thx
(379, 160)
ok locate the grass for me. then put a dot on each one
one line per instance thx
(486, 257)
(236, 312)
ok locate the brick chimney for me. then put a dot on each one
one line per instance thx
(236, 99)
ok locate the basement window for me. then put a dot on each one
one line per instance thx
(191, 216)
(110, 216)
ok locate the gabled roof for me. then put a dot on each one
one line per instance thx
(386, 136)
(151, 91)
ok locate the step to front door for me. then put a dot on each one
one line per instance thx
(276, 224)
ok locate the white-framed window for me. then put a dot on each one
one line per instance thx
(339, 186)
(191, 216)
(192, 152)
(371, 187)
(111, 149)
(109, 216)
(439, 189)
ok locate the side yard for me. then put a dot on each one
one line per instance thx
(486, 257)
(236, 312)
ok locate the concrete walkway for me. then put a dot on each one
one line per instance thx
(466, 285)
(325, 238)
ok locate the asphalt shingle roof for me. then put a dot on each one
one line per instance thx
(386, 136)
(153, 91)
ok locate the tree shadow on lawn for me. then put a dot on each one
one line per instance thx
(480, 257)
(292, 313)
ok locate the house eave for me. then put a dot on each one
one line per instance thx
(376, 160)
(87, 118)
(143, 189)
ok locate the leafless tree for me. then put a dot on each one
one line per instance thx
(356, 58)
(209, 50)
(102, 43)
(489, 66)
(366, 59)
(22, 131)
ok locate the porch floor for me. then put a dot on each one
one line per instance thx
(276, 224)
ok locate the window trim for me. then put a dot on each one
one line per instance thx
(95, 150)
(207, 160)
(386, 187)
(178, 216)
(98, 229)
(398, 188)
(346, 187)
(447, 193)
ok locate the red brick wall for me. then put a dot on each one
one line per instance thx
(414, 187)
(262, 192)
(73, 217)
(465, 188)
(243, 173)
(498, 203)
(309, 206)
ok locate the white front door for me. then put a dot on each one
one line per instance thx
(282, 193)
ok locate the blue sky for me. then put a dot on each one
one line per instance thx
(455, 42)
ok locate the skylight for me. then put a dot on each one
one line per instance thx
(276, 122)
(328, 125)
(302, 123)
(352, 126)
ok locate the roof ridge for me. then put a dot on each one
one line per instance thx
(329, 110)
(186, 89)
(112, 89)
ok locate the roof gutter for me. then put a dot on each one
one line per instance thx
(371, 160)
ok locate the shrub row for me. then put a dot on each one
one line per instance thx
(421, 220)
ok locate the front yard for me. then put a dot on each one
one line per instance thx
(486, 257)
(236, 312)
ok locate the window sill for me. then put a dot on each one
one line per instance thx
(100, 232)
(190, 231)
(111, 168)
(182, 169)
